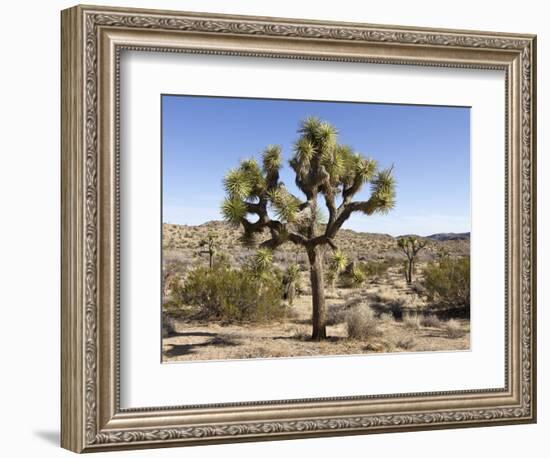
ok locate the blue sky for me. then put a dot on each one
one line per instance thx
(429, 146)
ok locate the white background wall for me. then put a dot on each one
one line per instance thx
(29, 229)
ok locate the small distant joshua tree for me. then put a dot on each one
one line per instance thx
(291, 282)
(410, 247)
(210, 247)
(337, 264)
(324, 170)
(262, 262)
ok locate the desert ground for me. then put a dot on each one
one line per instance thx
(401, 318)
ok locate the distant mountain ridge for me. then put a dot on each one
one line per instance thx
(440, 236)
(444, 236)
(362, 245)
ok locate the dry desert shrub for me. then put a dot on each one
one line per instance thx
(168, 325)
(336, 314)
(353, 302)
(406, 343)
(386, 295)
(386, 318)
(430, 321)
(292, 313)
(411, 321)
(361, 323)
(453, 329)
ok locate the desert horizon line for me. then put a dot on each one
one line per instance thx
(404, 234)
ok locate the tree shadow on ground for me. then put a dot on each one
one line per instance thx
(187, 349)
(301, 321)
(440, 334)
(192, 334)
(307, 338)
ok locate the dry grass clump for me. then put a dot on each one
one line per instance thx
(292, 313)
(386, 318)
(411, 322)
(353, 301)
(362, 323)
(386, 295)
(406, 343)
(453, 329)
(336, 314)
(168, 325)
(380, 346)
(430, 321)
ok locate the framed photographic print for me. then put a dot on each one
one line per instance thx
(279, 228)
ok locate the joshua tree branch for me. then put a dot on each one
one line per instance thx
(349, 192)
(345, 211)
(331, 206)
(277, 239)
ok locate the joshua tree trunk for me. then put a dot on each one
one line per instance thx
(410, 275)
(291, 293)
(319, 316)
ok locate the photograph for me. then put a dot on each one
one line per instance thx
(305, 228)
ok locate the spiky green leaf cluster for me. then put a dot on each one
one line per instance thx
(245, 182)
(338, 262)
(383, 191)
(263, 260)
(233, 210)
(237, 184)
(284, 204)
(272, 160)
(320, 161)
(358, 277)
(293, 273)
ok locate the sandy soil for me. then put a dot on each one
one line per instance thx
(217, 341)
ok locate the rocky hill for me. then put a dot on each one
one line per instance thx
(183, 243)
(445, 236)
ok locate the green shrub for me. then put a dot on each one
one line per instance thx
(231, 294)
(357, 273)
(447, 282)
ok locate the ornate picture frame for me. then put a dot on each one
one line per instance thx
(92, 40)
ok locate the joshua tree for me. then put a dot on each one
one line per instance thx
(262, 262)
(355, 275)
(337, 264)
(291, 282)
(325, 170)
(410, 246)
(210, 250)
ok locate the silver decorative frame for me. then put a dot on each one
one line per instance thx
(92, 38)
